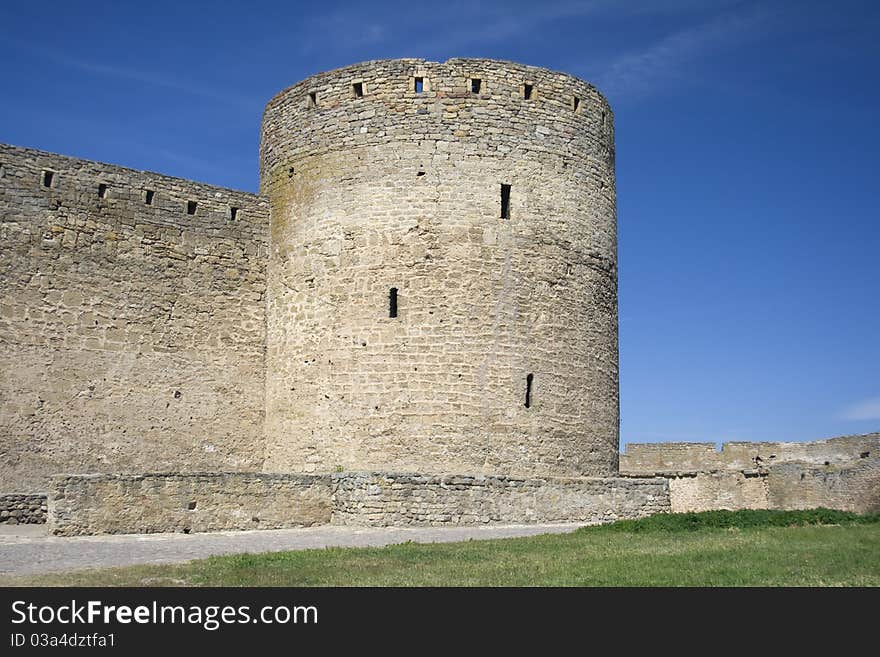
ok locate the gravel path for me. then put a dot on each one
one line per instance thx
(26, 549)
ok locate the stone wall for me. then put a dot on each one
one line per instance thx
(853, 486)
(707, 491)
(651, 458)
(114, 504)
(838, 473)
(150, 503)
(404, 499)
(22, 509)
(373, 186)
(131, 321)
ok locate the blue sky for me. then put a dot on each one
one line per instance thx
(747, 152)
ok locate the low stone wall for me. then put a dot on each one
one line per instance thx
(381, 499)
(22, 509)
(150, 503)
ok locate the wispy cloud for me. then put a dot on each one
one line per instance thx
(131, 74)
(638, 73)
(868, 409)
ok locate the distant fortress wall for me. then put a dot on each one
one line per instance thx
(840, 473)
(131, 321)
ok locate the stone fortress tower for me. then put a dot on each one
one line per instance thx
(442, 275)
(414, 322)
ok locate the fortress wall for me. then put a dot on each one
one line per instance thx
(399, 189)
(707, 491)
(379, 499)
(151, 503)
(851, 487)
(657, 458)
(131, 334)
(837, 473)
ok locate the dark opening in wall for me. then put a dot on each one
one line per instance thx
(102, 190)
(603, 117)
(233, 213)
(191, 506)
(358, 89)
(313, 99)
(527, 91)
(191, 207)
(148, 196)
(47, 178)
(864, 455)
(575, 103)
(419, 85)
(290, 172)
(476, 83)
(392, 302)
(529, 379)
(505, 201)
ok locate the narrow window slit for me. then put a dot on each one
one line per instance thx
(575, 103)
(476, 83)
(233, 213)
(419, 85)
(148, 196)
(392, 302)
(191, 207)
(313, 99)
(358, 89)
(47, 178)
(529, 379)
(603, 117)
(505, 201)
(102, 190)
(527, 91)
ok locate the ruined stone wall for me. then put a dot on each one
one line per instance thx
(131, 330)
(838, 473)
(150, 503)
(651, 458)
(375, 185)
(853, 486)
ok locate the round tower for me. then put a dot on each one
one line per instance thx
(442, 282)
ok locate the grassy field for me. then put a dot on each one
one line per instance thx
(812, 548)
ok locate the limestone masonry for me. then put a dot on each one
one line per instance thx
(415, 321)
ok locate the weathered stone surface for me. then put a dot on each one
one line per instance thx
(131, 334)
(398, 189)
(122, 504)
(403, 499)
(671, 458)
(200, 502)
(23, 509)
(838, 473)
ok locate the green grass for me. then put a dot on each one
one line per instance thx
(717, 548)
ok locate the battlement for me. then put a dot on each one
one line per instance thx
(133, 310)
(58, 183)
(472, 105)
(684, 458)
